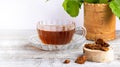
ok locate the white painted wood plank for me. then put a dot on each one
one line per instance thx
(18, 52)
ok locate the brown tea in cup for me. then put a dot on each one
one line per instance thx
(56, 34)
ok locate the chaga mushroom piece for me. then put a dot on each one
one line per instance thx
(81, 59)
(66, 61)
(93, 46)
(90, 46)
(102, 43)
(99, 44)
(99, 41)
(106, 45)
(104, 48)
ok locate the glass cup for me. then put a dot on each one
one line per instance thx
(59, 33)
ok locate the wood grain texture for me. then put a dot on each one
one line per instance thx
(18, 52)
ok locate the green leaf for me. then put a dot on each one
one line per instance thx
(97, 1)
(103, 1)
(115, 7)
(92, 1)
(72, 7)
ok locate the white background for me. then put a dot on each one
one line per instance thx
(24, 14)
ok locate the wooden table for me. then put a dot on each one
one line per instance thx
(16, 51)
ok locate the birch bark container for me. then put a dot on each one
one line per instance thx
(99, 21)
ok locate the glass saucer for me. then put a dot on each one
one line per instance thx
(74, 44)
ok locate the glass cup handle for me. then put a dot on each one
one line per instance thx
(80, 31)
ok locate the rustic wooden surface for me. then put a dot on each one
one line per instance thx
(16, 51)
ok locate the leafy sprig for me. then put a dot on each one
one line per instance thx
(72, 6)
(115, 7)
